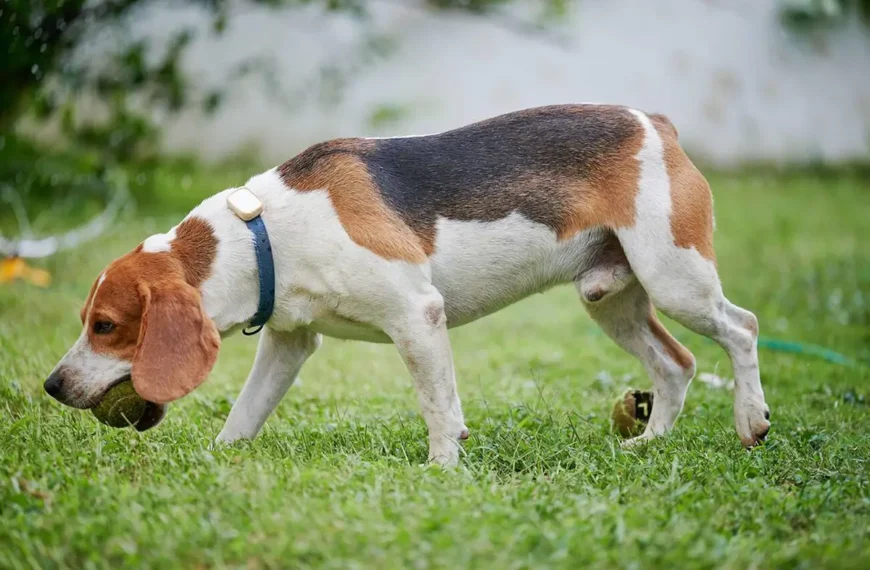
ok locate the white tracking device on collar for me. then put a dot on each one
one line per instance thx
(245, 204)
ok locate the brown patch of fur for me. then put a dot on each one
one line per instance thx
(195, 246)
(662, 123)
(595, 295)
(178, 343)
(434, 314)
(183, 340)
(192, 254)
(608, 196)
(675, 350)
(752, 326)
(83, 314)
(335, 168)
(691, 200)
(117, 299)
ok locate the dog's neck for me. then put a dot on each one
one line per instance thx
(230, 293)
(218, 258)
(224, 266)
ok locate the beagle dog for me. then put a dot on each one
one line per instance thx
(399, 239)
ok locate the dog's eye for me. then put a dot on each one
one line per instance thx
(103, 327)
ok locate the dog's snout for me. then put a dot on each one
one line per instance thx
(54, 383)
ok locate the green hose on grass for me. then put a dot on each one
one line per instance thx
(807, 349)
(810, 350)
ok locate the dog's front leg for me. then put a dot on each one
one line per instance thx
(280, 355)
(420, 334)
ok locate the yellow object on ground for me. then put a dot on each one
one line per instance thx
(13, 268)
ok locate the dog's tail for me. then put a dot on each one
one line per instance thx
(662, 123)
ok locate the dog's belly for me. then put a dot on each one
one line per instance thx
(340, 327)
(481, 267)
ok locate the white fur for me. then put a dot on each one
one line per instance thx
(653, 255)
(88, 374)
(159, 242)
(327, 283)
(280, 355)
(480, 267)
(94, 298)
(230, 294)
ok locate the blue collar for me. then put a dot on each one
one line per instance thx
(266, 272)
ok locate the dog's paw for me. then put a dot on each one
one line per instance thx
(225, 439)
(443, 461)
(752, 420)
(638, 441)
(444, 451)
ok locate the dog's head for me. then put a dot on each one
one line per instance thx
(142, 319)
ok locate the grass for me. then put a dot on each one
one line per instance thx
(334, 481)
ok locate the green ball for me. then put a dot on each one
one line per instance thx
(120, 407)
(631, 413)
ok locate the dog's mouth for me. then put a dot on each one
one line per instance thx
(153, 415)
(121, 380)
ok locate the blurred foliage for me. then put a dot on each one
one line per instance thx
(806, 15)
(42, 78)
(38, 188)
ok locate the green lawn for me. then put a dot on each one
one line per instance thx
(335, 481)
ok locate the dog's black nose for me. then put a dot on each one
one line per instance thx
(54, 384)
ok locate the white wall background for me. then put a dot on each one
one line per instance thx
(736, 84)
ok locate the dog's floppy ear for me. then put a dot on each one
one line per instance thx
(178, 343)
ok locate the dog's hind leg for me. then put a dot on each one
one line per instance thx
(280, 355)
(670, 249)
(626, 314)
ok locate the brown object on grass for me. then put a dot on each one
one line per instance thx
(631, 413)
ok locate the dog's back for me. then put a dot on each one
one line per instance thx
(568, 167)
